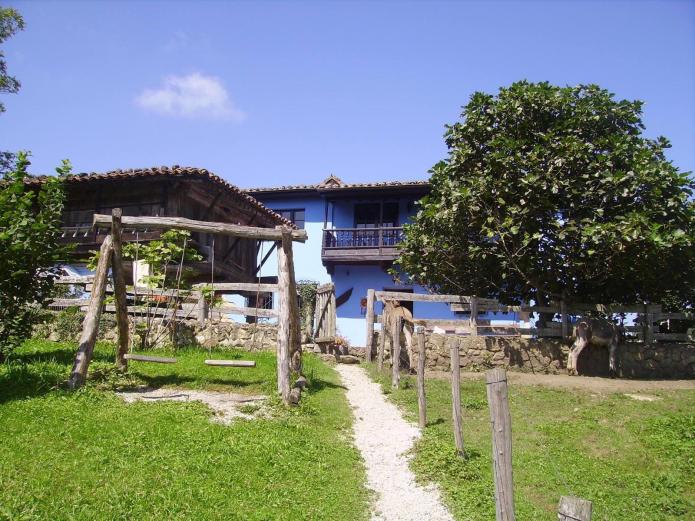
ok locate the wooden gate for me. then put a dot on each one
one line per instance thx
(324, 317)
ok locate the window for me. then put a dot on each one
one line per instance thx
(375, 215)
(295, 215)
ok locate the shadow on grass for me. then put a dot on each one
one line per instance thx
(32, 374)
(318, 384)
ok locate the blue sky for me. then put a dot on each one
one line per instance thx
(269, 93)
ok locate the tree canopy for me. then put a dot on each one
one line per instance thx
(554, 192)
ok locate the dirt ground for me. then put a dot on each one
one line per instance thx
(584, 383)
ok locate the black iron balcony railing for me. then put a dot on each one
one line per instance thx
(374, 238)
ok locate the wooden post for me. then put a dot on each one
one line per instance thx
(421, 403)
(501, 421)
(456, 398)
(332, 315)
(382, 343)
(396, 352)
(370, 325)
(284, 322)
(90, 325)
(563, 319)
(574, 509)
(202, 308)
(649, 325)
(119, 291)
(474, 316)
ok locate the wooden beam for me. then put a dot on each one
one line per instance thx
(231, 363)
(249, 312)
(381, 296)
(238, 286)
(90, 325)
(154, 359)
(397, 326)
(85, 279)
(181, 223)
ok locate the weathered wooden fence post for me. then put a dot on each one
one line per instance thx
(119, 290)
(397, 325)
(456, 398)
(382, 343)
(574, 509)
(90, 325)
(474, 316)
(202, 308)
(370, 325)
(285, 333)
(421, 402)
(501, 421)
(648, 331)
(564, 324)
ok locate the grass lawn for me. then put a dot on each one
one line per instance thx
(634, 459)
(88, 455)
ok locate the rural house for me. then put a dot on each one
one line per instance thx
(354, 230)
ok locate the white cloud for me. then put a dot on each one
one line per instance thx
(192, 96)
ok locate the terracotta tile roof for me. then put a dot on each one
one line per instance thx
(173, 171)
(334, 183)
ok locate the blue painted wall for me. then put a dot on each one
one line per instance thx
(360, 278)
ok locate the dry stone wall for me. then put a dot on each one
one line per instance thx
(188, 333)
(635, 360)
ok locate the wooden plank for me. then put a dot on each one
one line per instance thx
(574, 509)
(145, 310)
(332, 318)
(397, 326)
(498, 401)
(456, 398)
(153, 359)
(370, 325)
(68, 302)
(90, 325)
(119, 291)
(324, 339)
(419, 297)
(421, 401)
(77, 280)
(231, 363)
(249, 312)
(181, 223)
(238, 286)
(678, 337)
(676, 316)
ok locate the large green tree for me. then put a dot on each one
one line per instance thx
(29, 249)
(553, 192)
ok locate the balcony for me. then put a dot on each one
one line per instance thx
(360, 245)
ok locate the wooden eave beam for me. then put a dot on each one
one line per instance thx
(181, 223)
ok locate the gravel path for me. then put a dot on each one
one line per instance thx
(383, 437)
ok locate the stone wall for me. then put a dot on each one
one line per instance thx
(635, 360)
(186, 333)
